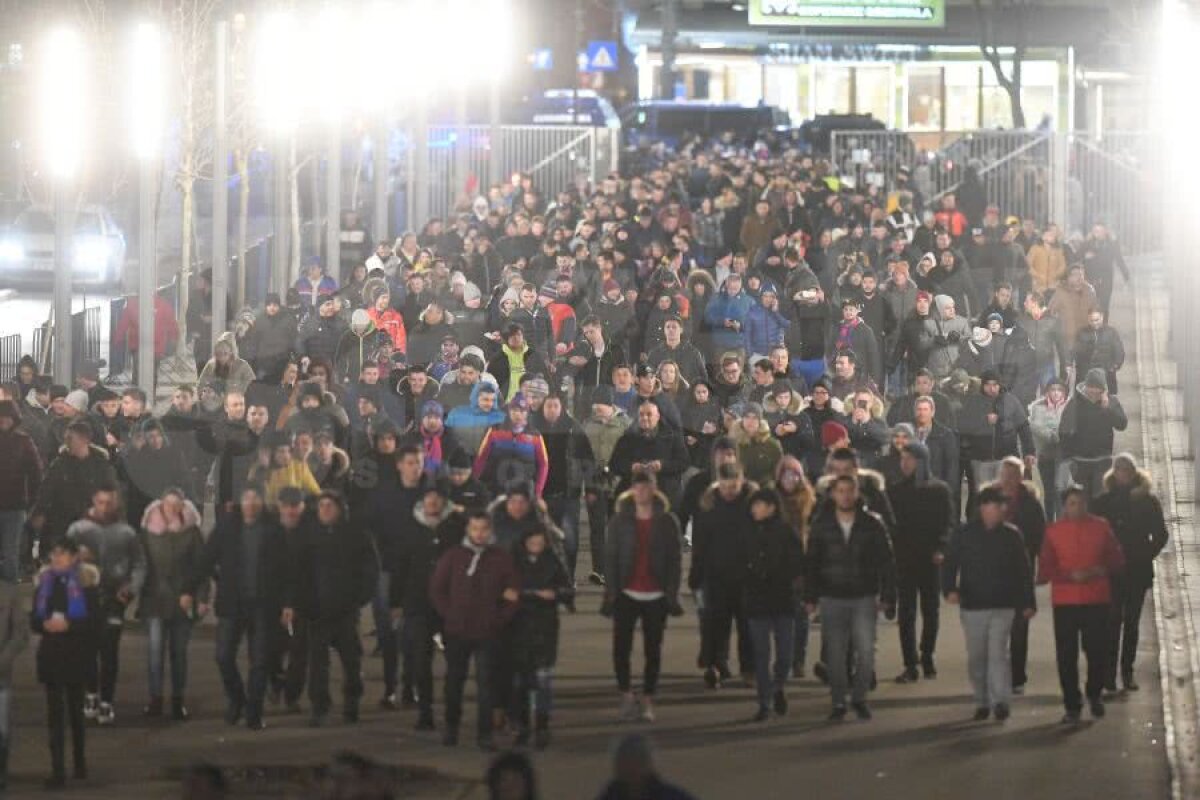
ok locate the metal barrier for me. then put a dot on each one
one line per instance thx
(10, 355)
(1068, 178)
(85, 339)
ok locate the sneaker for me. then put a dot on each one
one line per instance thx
(408, 699)
(981, 714)
(389, 703)
(711, 679)
(1110, 687)
(861, 711)
(1129, 682)
(781, 703)
(762, 716)
(1018, 689)
(91, 706)
(107, 714)
(596, 579)
(910, 675)
(1097, 708)
(647, 714)
(1002, 712)
(179, 711)
(1071, 717)
(629, 708)
(837, 714)
(256, 725)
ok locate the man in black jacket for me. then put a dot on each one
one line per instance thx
(1086, 431)
(247, 554)
(943, 447)
(718, 572)
(438, 528)
(924, 519)
(569, 453)
(333, 574)
(67, 488)
(649, 446)
(850, 572)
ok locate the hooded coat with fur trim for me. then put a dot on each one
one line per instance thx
(237, 375)
(666, 548)
(1136, 517)
(64, 658)
(172, 555)
(66, 492)
(758, 452)
(719, 538)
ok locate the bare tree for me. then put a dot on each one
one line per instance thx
(1017, 11)
(191, 26)
(243, 140)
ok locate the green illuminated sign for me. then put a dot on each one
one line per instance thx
(850, 13)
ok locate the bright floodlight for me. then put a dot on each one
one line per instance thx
(277, 88)
(146, 90)
(331, 61)
(378, 74)
(63, 86)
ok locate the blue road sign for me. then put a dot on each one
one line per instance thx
(601, 56)
(542, 58)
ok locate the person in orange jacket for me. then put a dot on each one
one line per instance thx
(1080, 554)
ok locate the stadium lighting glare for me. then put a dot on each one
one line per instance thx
(378, 76)
(278, 88)
(146, 90)
(332, 65)
(63, 85)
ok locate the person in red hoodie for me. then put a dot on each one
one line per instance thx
(1080, 554)
(474, 590)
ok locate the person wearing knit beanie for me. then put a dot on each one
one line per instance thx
(834, 435)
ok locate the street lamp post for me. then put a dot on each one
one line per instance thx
(278, 93)
(145, 72)
(220, 187)
(63, 85)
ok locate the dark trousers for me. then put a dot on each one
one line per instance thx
(256, 628)
(293, 669)
(418, 637)
(599, 506)
(782, 629)
(723, 608)
(388, 640)
(1073, 625)
(64, 702)
(103, 679)
(564, 510)
(1018, 646)
(626, 613)
(458, 662)
(1128, 597)
(341, 635)
(917, 580)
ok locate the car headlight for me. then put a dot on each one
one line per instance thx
(11, 251)
(91, 254)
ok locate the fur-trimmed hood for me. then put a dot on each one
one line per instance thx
(89, 575)
(795, 405)
(1143, 484)
(866, 477)
(708, 499)
(155, 522)
(624, 502)
(539, 508)
(740, 437)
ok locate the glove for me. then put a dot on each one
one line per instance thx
(953, 337)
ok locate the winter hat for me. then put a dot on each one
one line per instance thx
(981, 337)
(610, 285)
(548, 290)
(459, 460)
(767, 288)
(519, 488)
(905, 429)
(272, 299)
(924, 295)
(917, 450)
(603, 396)
(1095, 379)
(78, 400)
(537, 386)
(432, 408)
(57, 391)
(519, 402)
(832, 433)
(751, 410)
(471, 292)
(644, 371)
(995, 316)
(1127, 459)
(310, 389)
(471, 360)
(510, 295)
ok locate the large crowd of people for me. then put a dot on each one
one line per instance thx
(823, 401)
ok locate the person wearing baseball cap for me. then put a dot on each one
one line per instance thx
(513, 450)
(852, 333)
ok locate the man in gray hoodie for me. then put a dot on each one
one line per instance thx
(952, 330)
(112, 546)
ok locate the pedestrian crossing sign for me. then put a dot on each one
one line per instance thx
(601, 57)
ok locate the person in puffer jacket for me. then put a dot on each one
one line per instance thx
(110, 543)
(225, 365)
(765, 325)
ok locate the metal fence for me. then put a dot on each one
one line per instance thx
(85, 340)
(10, 355)
(1069, 178)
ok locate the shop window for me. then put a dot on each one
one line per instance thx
(924, 98)
(874, 92)
(962, 97)
(831, 89)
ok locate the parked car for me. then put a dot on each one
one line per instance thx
(567, 107)
(817, 132)
(98, 247)
(668, 121)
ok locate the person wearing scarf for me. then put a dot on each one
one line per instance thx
(474, 589)
(66, 612)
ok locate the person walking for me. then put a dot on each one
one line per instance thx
(246, 553)
(1079, 557)
(20, 479)
(988, 576)
(643, 569)
(66, 612)
(334, 572)
(1136, 516)
(850, 573)
(474, 590)
(171, 538)
(774, 566)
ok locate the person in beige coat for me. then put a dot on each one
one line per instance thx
(1047, 261)
(1072, 302)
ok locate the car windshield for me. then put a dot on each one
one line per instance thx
(41, 222)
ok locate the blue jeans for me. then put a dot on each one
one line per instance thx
(12, 528)
(564, 510)
(762, 630)
(163, 635)
(846, 620)
(256, 629)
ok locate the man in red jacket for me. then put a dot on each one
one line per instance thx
(1079, 556)
(474, 590)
